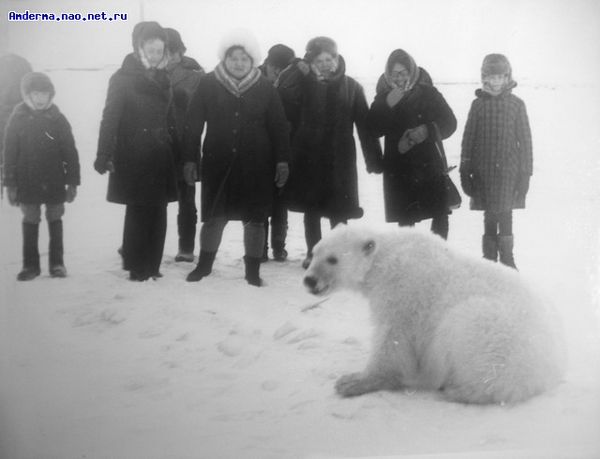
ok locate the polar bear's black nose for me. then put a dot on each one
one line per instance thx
(310, 282)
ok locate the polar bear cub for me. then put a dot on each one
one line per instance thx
(443, 321)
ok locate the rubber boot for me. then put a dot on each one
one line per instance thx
(56, 250)
(253, 271)
(31, 254)
(204, 266)
(489, 245)
(505, 249)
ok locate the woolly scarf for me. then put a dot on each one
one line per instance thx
(234, 86)
(402, 57)
(161, 65)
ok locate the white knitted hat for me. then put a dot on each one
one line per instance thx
(244, 39)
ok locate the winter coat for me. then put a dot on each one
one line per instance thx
(497, 150)
(323, 174)
(245, 138)
(40, 157)
(413, 182)
(184, 81)
(138, 135)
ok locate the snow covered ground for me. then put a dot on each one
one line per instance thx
(94, 366)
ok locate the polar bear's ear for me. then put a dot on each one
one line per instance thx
(369, 247)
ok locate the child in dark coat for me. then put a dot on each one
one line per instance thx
(497, 159)
(41, 166)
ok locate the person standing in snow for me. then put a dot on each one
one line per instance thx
(41, 166)
(185, 73)
(410, 112)
(138, 146)
(278, 58)
(497, 157)
(326, 104)
(245, 150)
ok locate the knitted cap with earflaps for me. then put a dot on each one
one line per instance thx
(244, 39)
(36, 81)
(496, 64)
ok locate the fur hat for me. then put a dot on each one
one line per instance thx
(496, 64)
(144, 31)
(36, 81)
(280, 56)
(244, 39)
(175, 44)
(320, 45)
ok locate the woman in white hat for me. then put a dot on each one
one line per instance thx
(245, 149)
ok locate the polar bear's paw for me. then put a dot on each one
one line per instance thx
(354, 384)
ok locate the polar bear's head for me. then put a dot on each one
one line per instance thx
(341, 260)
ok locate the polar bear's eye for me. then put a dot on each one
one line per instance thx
(332, 260)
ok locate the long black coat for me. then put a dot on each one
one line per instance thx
(413, 182)
(138, 135)
(40, 155)
(323, 174)
(245, 138)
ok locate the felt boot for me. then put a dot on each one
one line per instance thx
(252, 265)
(204, 266)
(56, 250)
(490, 247)
(31, 254)
(505, 249)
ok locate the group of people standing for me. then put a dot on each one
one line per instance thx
(265, 139)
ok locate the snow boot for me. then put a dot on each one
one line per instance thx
(56, 250)
(279, 252)
(183, 256)
(505, 249)
(31, 254)
(253, 271)
(490, 247)
(204, 266)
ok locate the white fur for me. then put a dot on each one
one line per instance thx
(446, 322)
(243, 38)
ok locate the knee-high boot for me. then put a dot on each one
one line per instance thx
(252, 265)
(489, 246)
(505, 249)
(56, 249)
(31, 254)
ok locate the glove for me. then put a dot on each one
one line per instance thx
(418, 134)
(71, 193)
(281, 174)
(190, 173)
(12, 195)
(522, 189)
(405, 144)
(103, 165)
(466, 182)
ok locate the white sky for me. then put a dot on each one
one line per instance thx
(547, 41)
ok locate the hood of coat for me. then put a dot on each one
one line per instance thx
(36, 82)
(146, 31)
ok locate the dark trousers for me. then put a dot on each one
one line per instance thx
(279, 223)
(498, 223)
(144, 238)
(187, 218)
(312, 228)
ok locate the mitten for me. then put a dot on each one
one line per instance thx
(190, 173)
(103, 164)
(375, 165)
(12, 195)
(418, 134)
(71, 193)
(405, 144)
(466, 182)
(281, 174)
